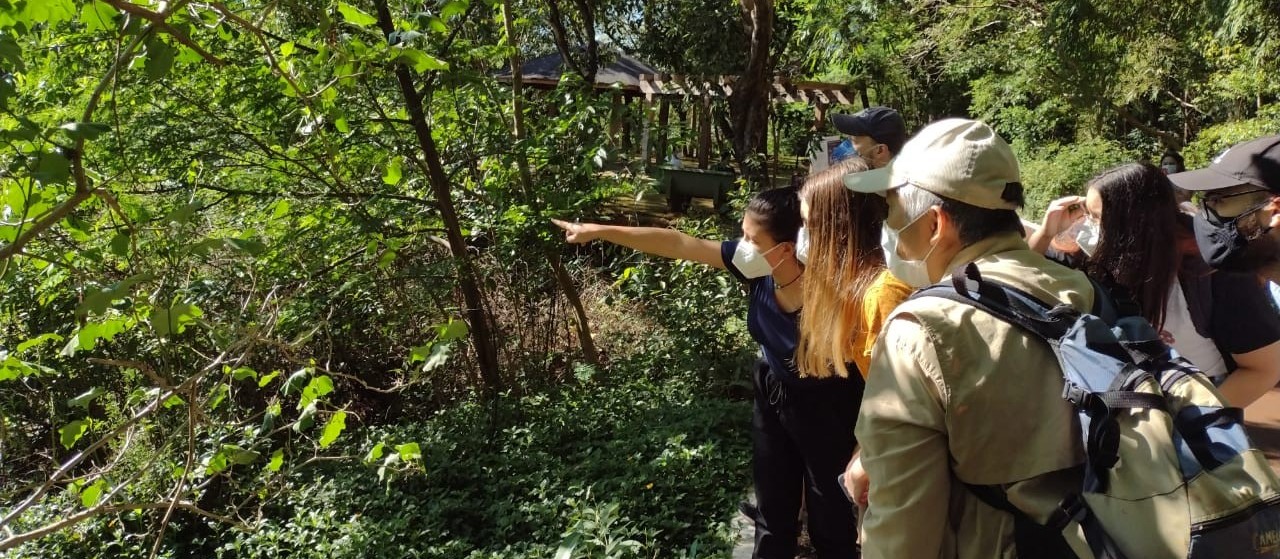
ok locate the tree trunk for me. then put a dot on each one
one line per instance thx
(581, 325)
(749, 103)
(559, 33)
(486, 351)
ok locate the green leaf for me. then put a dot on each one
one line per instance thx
(219, 394)
(421, 61)
(420, 353)
(82, 401)
(97, 16)
(295, 381)
(184, 213)
(286, 49)
(354, 16)
(160, 57)
(90, 496)
(120, 244)
(269, 418)
(172, 401)
(51, 168)
(240, 456)
(84, 130)
(267, 378)
(316, 389)
(96, 301)
(242, 373)
(51, 12)
(568, 546)
(248, 246)
(281, 209)
(70, 433)
(374, 453)
(432, 23)
(11, 52)
(393, 174)
(216, 464)
(306, 419)
(332, 428)
(342, 125)
(454, 8)
(453, 330)
(87, 336)
(277, 460)
(37, 341)
(409, 452)
(174, 320)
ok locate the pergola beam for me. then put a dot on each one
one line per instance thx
(721, 87)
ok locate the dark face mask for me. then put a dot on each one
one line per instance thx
(1224, 247)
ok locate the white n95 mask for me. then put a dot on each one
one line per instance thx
(750, 261)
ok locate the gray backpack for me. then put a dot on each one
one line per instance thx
(1169, 470)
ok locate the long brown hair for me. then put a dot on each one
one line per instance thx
(844, 258)
(1138, 249)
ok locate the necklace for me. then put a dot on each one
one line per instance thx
(777, 287)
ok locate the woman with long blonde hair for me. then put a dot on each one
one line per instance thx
(848, 295)
(848, 290)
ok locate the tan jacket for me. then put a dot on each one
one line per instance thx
(955, 393)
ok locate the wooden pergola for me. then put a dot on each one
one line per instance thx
(707, 89)
(628, 78)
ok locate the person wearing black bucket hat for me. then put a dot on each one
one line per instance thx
(1238, 227)
(877, 133)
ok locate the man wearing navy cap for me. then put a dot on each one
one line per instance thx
(877, 133)
(1238, 227)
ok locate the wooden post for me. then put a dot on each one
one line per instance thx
(627, 129)
(704, 132)
(664, 128)
(615, 117)
(647, 104)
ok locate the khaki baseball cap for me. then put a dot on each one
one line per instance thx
(959, 159)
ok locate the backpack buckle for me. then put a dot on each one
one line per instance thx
(1076, 395)
(1071, 509)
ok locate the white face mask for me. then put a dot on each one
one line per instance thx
(802, 245)
(1090, 233)
(750, 261)
(912, 272)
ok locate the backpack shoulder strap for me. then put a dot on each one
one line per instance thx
(1005, 302)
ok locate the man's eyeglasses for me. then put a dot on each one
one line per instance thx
(1226, 207)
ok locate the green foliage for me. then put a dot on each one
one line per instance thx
(1053, 171)
(1213, 140)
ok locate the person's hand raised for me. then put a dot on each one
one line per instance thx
(1061, 214)
(577, 233)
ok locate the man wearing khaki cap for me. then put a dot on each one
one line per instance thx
(956, 396)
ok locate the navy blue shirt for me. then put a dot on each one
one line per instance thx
(776, 330)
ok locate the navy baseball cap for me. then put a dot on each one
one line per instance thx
(882, 124)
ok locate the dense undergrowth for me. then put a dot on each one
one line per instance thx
(618, 464)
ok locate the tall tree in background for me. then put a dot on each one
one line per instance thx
(749, 102)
